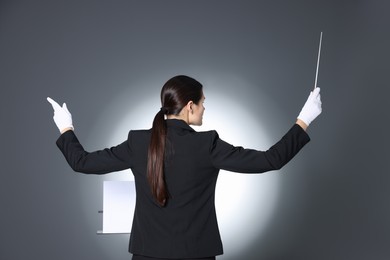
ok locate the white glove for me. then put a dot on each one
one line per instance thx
(312, 107)
(62, 116)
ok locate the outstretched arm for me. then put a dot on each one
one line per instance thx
(228, 157)
(99, 162)
(108, 160)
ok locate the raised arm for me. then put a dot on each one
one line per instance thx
(99, 162)
(238, 159)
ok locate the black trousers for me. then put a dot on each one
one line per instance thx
(140, 257)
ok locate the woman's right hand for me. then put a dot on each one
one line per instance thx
(62, 117)
(312, 107)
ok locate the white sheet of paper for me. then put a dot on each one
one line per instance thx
(118, 206)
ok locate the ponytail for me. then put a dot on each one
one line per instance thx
(156, 151)
(175, 94)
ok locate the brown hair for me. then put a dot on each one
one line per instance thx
(175, 94)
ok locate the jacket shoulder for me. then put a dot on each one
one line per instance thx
(207, 134)
(140, 132)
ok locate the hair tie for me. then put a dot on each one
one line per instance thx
(164, 110)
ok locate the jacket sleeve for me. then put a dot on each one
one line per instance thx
(116, 158)
(237, 159)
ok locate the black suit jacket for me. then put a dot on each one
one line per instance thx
(187, 226)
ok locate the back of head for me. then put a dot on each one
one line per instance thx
(178, 91)
(175, 94)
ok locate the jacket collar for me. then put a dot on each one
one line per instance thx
(177, 123)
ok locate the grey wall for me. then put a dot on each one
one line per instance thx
(333, 200)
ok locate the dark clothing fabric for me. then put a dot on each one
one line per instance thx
(139, 257)
(187, 226)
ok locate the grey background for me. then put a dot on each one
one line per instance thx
(334, 197)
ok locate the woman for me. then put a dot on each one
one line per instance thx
(176, 168)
